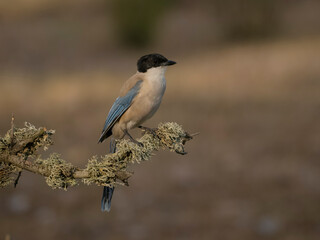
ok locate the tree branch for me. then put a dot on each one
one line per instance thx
(19, 150)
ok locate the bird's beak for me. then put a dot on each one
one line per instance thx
(169, 63)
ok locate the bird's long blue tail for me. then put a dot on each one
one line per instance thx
(108, 191)
(106, 198)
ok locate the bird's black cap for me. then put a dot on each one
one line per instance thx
(153, 60)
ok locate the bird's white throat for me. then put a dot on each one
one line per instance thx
(156, 75)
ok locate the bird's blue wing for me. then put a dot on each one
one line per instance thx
(119, 107)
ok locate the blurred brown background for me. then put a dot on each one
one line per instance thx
(247, 79)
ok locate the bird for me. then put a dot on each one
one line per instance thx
(139, 99)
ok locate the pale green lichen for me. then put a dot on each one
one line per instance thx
(28, 132)
(102, 171)
(173, 136)
(135, 153)
(7, 172)
(60, 172)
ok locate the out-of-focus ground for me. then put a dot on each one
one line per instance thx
(252, 173)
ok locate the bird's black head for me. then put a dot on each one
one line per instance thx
(152, 60)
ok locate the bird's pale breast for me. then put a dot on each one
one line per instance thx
(145, 104)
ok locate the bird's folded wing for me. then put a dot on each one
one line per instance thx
(119, 107)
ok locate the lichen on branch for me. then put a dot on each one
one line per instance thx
(19, 150)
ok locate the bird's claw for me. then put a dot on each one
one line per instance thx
(137, 142)
(133, 140)
(151, 130)
(140, 144)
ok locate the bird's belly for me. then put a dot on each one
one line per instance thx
(150, 103)
(143, 108)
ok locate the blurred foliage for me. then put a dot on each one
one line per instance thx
(136, 21)
(247, 19)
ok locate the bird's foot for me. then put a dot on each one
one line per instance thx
(137, 142)
(151, 130)
(133, 140)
